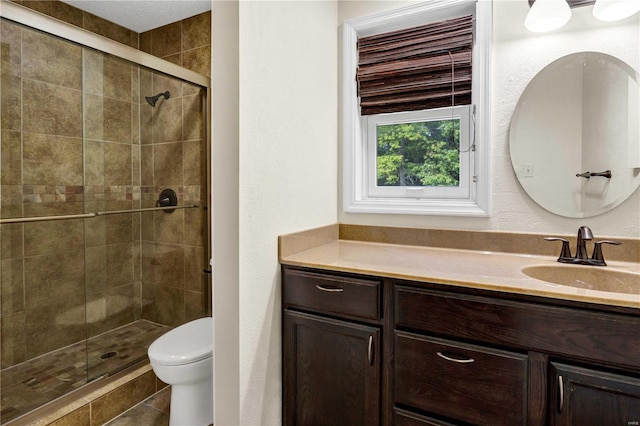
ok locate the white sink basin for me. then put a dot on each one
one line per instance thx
(587, 277)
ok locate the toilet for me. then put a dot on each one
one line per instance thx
(183, 358)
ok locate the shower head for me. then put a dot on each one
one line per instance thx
(153, 99)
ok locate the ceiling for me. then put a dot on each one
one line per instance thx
(142, 15)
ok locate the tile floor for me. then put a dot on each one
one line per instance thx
(33, 383)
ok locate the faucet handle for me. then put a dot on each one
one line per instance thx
(565, 253)
(597, 258)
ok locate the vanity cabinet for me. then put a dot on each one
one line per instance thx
(448, 355)
(331, 350)
(583, 396)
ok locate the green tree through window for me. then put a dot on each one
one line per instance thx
(419, 154)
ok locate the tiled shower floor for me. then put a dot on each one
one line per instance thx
(33, 383)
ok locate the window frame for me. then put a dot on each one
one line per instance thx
(462, 191)
(356, 158)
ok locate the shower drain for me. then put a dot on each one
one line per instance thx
(108, 355)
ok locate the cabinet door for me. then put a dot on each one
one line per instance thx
(331, 372)
(582, 396)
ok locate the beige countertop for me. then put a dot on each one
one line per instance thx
(496, 271)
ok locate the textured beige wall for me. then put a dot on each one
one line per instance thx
(517, 55)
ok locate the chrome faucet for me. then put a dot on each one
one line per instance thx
(581, 257)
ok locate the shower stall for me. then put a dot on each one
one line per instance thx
(103, 215)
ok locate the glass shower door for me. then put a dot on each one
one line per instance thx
(43, 351)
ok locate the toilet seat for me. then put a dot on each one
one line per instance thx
(185, 344)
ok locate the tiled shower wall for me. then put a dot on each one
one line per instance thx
(137, 265)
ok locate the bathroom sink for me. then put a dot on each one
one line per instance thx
(587, 277)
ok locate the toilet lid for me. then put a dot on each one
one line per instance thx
(185, 344)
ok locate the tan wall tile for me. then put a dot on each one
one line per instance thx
(167, 164)
(119, 400)
(53, 236)
(167, 121)
(56, 9)
(166, 40)
(96, 269)
(117, 79)
(79, 417)
(169, 266)
(196, 31)
(52, 209)
(11, 102)
(194, 305)
(11, 155)
(51, 109)
(54, 278)
(169, 227)
(52, 160)
(93, 72)
(12, 296)
(95, 229)
(164, 305)
(192, 157)
(14, 344)
(145, 41)
(193, 268)
(107, 29)
(192, 116)
(52, 60)
(119, 264)
(11, 48)
(119, 227)
(117, 164)
(55, 325)
(198, 60)
(117, 121)
(194, 227)
(94, 162)
(11, 237)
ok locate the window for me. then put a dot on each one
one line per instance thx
(427, 153)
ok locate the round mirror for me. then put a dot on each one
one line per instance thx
(574, 137)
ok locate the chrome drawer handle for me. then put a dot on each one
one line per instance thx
(458, 360)
(370, 350)
(560, 394)
(329, 289)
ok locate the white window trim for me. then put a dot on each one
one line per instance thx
(462, 113)
(355, 181)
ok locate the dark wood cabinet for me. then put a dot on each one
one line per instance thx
(582, 396)
(482, 386)
(362, 350)
(331, 355)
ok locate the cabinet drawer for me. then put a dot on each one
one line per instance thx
(478, 385)
(575, 333)
(332, 294)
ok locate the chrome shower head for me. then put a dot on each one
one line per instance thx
(153, 99)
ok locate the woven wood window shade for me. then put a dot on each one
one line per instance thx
(416, 68)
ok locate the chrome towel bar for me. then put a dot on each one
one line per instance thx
(90, 215)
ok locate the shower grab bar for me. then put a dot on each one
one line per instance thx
(90, 215)
(149, 209)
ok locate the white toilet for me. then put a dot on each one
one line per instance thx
(183, 358)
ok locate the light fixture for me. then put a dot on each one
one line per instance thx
(613, 10)
(548, 15)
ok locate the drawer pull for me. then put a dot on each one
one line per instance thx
(370, 351)
(458, 360)
(329, 289)
(560, 394)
